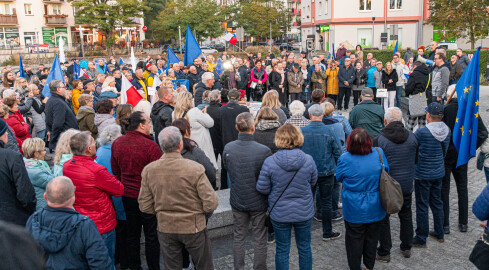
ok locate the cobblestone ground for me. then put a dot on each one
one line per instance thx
(453, 254)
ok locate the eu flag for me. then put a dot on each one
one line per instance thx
(54, 73)
(466, 123)
(121, 61)
(192, 48)
(76, 70)
(172, 57)
(219, 68)
(182, 82)
(21, 66)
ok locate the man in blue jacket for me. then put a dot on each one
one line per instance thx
(433, 142)
(346, 76)
(399, 146)
(321, 143)
(71, 239)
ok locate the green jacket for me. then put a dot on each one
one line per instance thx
(315, 78)
(369, 116)
(86, 120)
(40, 175)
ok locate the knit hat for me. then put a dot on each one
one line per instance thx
(3, 127)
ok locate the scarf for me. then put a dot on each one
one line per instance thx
(282, 75)
(232, 80)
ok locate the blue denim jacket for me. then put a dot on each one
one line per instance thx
(320, 143)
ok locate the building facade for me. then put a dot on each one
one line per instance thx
(362, 22)
(25, 23)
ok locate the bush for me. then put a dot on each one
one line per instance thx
(263, 50)
(386, 56)
(9, 62)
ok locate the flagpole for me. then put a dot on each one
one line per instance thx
(81, 40)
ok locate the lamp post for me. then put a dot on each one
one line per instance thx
(373, 31)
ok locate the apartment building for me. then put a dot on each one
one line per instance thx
(32, 22)
(363, 22)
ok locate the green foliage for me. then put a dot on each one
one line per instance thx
(263, 50)
(104, 17)
(9, 62)
(386, 56)
(156, 7)
(204, 18)
(255, 15)
(467, 19)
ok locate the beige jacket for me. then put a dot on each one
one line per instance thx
(178, 192)
(295, 81)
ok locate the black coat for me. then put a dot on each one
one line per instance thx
(199, 91)
(161, 117)
(59, 118)
(275, 80)
(214, 111)
(449, 118)
(244, 72)
(17, 196)
(228, 115)
(243, 160)
(192, 79)
(386, 77)
(418, 80)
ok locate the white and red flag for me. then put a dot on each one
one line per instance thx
(129, 94)
(230, 38)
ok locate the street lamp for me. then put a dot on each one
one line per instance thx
(373, 31)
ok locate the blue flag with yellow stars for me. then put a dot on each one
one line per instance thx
(54, 73)
(465, 130)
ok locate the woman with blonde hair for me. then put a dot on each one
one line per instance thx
(38, 170)
(271, 100)
(109, 85)
(200, 122)
(63, 151)
(287, 177)
(389, 79)
(266, 125)
(20, 86)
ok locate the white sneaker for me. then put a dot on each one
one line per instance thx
(340, 205)
(190, 266)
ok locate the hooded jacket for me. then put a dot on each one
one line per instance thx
(265, 133)
(441, 79)
(368, 115)
(70, 239)
(433, 140)
(400, 147)
(40, 174)
(103, 120)
(296, 203)
(418, 80)
(161, 116)
(86, 120)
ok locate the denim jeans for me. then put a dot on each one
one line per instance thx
(461, 182)
(325, 187)
(398, 96)
(41, 134)
(109, 241)
(486, 171)
(302, 240)
(306, 96)
(428, 193)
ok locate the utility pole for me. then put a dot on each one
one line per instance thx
(180, 38)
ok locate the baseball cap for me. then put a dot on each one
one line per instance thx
(108, 94)
(367, 92)
(316, 110)
(87, 82)
(348, 51)
(234, 94)
(434, 108)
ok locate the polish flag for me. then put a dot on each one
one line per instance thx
(230, 38)
(82, 73)
(129, 94)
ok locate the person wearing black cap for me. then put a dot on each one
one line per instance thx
(295, 81)
(433, 140)
(17, 196)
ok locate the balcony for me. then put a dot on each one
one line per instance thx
(10, 19)
(55, 19)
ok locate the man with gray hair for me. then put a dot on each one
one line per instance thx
(95, 186)
(180, 198)
(206, 84)
(59, 116)
(78, 244)
(243, 160)
(400, 146)
(321, 144)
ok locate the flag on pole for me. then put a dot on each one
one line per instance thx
(62, 57)
(333, 52)
(172, 57)
(121, 61)
(21, 67)
(396, 48)
(78, 72)
(192, 48)
(152, 89)
(230, 38)
(218, 68)
(129, 94)
(54, 73)
(133, 60)
(467, 121)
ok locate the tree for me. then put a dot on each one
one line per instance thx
(156, 7)
(204, 18)
(106, 15)
(468, 19)
(255, 15)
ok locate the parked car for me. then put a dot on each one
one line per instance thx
(297, 46)
(207, 50)
(262, 43)
(286, 46)
(218, 47)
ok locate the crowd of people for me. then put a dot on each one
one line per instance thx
(117, 170)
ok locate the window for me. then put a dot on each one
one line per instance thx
(56, 9)
(320, 8)
(28, 9)
(365, 4)
(7, 9)
(395, 4)
(364, 37)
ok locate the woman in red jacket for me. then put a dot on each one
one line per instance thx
(20, 128)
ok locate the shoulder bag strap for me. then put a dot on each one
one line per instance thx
(269, 211)
(380, 157)
(429, 79)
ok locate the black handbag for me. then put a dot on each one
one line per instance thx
(267, 219)
(480, 253)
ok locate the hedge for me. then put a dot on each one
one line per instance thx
(386, 56)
